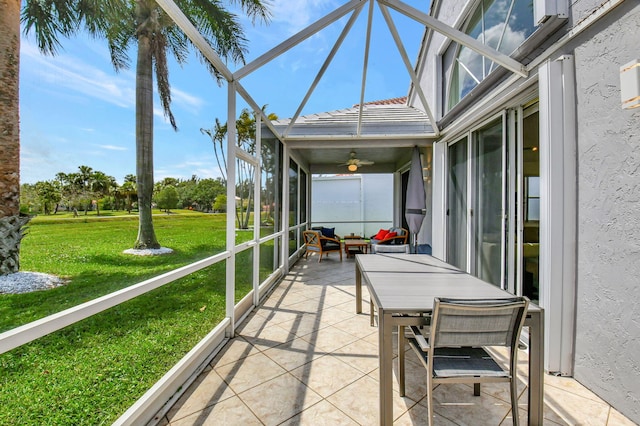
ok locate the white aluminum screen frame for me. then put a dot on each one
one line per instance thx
(558, 210)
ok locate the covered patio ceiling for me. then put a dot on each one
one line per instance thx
(381, 132)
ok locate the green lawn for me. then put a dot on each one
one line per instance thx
(91, 372)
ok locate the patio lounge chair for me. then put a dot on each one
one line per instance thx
(390, 248)
(390, 236)
(453, 351)
(316, 242)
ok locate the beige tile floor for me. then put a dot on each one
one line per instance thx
(305, 358)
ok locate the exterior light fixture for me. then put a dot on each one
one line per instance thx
(630, 84)
(352, 167)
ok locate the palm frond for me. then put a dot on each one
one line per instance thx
(221, 28)
(257, 10)
(159, 52)
(178, 43)
(49, 19)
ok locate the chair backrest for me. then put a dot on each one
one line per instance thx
(477, 322)
(311, 238)
(398, 248)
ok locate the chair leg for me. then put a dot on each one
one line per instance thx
(514, 401)
(430, 398)
(513, 383)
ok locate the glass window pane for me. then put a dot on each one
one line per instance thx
(269, 188)
(294, 237)
(246, 131)
(533, 186)
(488, 209)
(502, 24)
(533, 209)
(268, 258)
(303, 197)
(293, 193)
(457, 205)
(245, 174)
(244, 274)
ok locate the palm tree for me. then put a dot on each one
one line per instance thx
(11, 222)
(100, 184)
(245, 139)
(143, 23)
(129, 189)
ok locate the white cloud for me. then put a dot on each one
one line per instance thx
(70, 74)
(186, 100)
(296, 15)
(113, 147)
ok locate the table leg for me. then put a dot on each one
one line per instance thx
(358, 289)
(385, 358)
(536, 367)
(401, 344)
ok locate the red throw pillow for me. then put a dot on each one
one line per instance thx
(381, 235)
(390, 235)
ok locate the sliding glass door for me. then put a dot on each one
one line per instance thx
(530, 201)
(488, 214)
(457, 205)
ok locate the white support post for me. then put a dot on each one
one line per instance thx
(439, 219)
(285, 208)
(558, 209)
(257, 210)
(231, 206)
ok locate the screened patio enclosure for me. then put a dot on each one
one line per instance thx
(382, 132)
(274, 172)
(286, 152)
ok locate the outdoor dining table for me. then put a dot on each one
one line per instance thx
(402, 288)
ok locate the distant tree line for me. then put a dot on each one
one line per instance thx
(92, 190)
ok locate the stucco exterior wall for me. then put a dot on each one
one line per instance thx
(607, 358)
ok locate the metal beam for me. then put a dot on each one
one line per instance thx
(458, 36)
(296, 39)
(365, 64)
(324, 67)
(194, 35)
(383, 141)
(408, 65)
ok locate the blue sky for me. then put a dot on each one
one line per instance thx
(76, 110)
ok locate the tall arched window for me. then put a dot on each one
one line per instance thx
(502, 24)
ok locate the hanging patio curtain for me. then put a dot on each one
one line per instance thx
(415, 199)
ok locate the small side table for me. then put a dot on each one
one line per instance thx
(355, 245)
(352, 237)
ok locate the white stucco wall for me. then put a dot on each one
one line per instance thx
(608, 269)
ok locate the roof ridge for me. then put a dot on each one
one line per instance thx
(393, 101)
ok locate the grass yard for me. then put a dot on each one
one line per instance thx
(91, 372)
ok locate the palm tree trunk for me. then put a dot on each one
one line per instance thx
(11, 223)
(144, 142)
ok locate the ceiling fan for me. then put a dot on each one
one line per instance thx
(353, 163)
